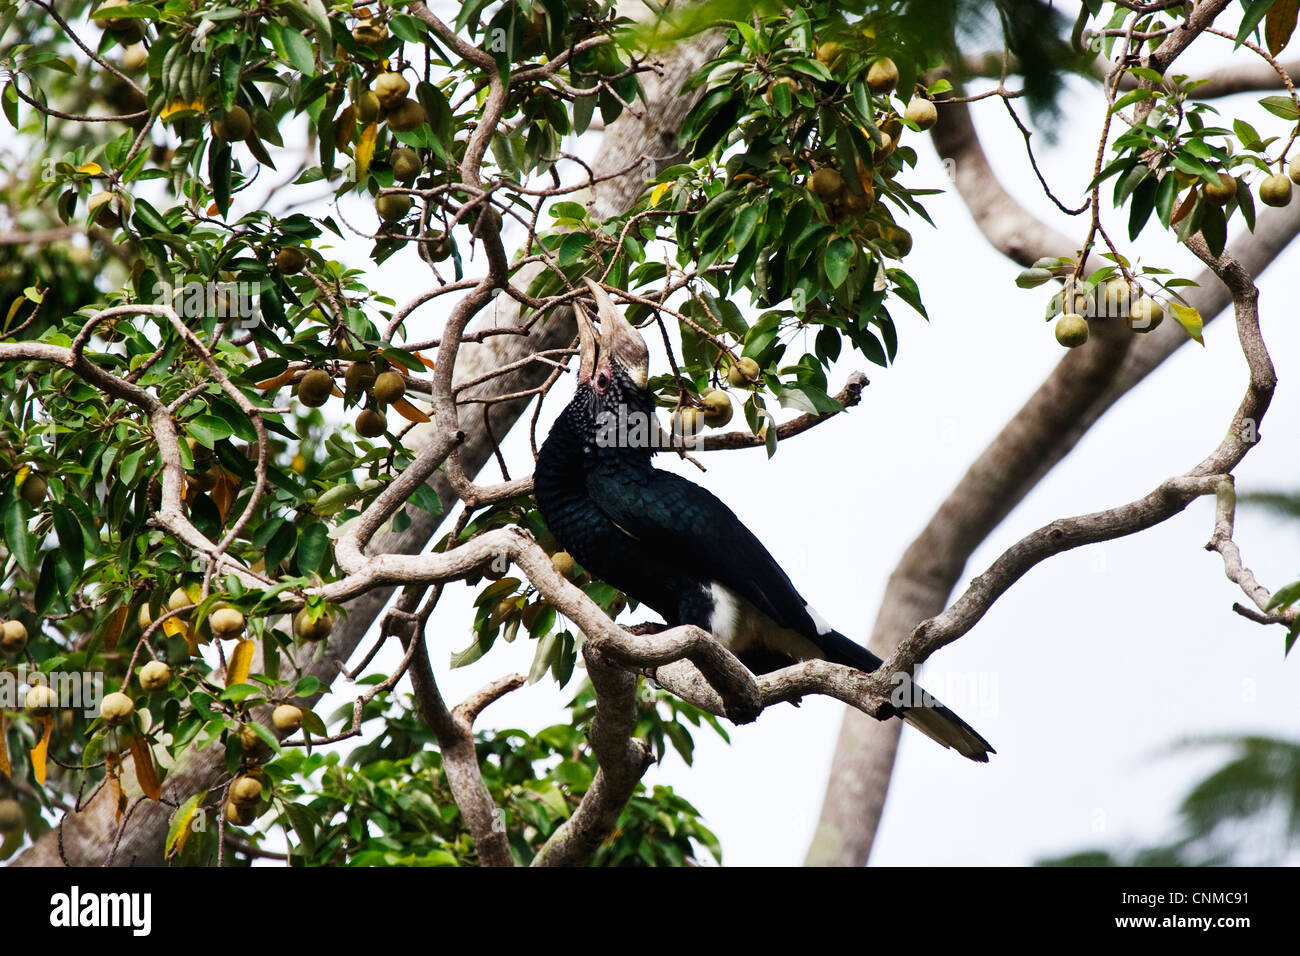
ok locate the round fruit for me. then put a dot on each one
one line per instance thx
(315, 388)
(1145, 314)
(179, 599)
(826, 183)
(1293, 168)
(11, 816)
(830, 54)
(104, 208)
(286, 717)
(33, 489)
(41, 700)
(252, 742)
(392, 206)
(368, 107)
(144, 617)
(883, 75)
(369, 33)
(441, 248)
(922, 112)
(226, 623)
(406, 164)
(234, 126)
(155, 676)
(240, 814)
(116, 708)
(13, 637)
(688, 421)
(562, 561)
(1071, 330)
(359, 376)
(290, 260)
(245, 790)
(1275, 190)
(406, 116)
(855, 204)
(371, 424)
(391, 89)
(743, 372)
(717, 408)
(389, 387)
(787, 81)
(1219, 193)
(308, 630)
(899, 238)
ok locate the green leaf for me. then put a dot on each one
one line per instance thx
(838, 259)
(208, 429)
(1280, 106)
(313, 545)
(21, 544)
(71, 542)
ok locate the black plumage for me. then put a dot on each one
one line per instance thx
(673, 545)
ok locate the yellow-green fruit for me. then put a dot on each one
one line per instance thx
(406, 116)
(371, 424)
(104, 208)
(33, 489)
(922, 112)
(1219, 193)
(252, 742)
(315, 388)
(830, 54)
(234, 126)
(391, 89)
(368, 107)
(309, 630)
(359, 376)
(1145, 314)
(688, 421)
(290, 260)
(245, 790)
(781, 81)
(882, 75)
(562, 561)
(41, 700)
(406, 164)
(392, 206)
(155, 676)
(743, 372)
(717, 408)
(1071, 330)
(1275, 190)
(178, 599)
(240, 814)
(116, 708)
(13, 637)
(855, 204)
(1293, 168)
(226, 623)
(388, 387)
(370, 33)
(826, 183)
(441, 248)
(144, 617)
(286, 717)
(128, 30)
(11, 816)
(899, 238)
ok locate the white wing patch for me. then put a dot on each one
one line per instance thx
(823, 626)
(738, 626)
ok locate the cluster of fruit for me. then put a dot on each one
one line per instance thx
(1141, 312)
(382, 389)
(715, 408)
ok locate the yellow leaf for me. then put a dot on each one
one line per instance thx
(409, 411)
(241, 660)
(345, 126)
(146, 774)
(39, 751)
(427, 363)
(658, 193)
(113, 767)
(223, 493)
(174, 627)
(279, 381)
(5, 768)
(93, 169)
(1189, 319)
(114, 626)
(366, 150)
(180, 830)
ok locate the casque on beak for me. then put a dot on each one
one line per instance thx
(619, 340)
(586, 343)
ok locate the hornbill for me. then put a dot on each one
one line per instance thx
(672, 545)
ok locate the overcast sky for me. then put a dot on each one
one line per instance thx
(1087, 672)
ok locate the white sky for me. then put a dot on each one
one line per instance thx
(1083, 675)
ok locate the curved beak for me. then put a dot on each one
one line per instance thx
(619, 339)
(586, 343)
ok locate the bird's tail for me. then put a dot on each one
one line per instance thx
(912, 703)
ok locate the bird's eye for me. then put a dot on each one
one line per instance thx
(602, 380)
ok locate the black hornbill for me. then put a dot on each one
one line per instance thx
(672, 545)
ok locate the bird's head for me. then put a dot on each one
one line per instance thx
(618, 352)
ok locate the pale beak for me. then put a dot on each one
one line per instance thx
(586, 343)
(619, 338)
